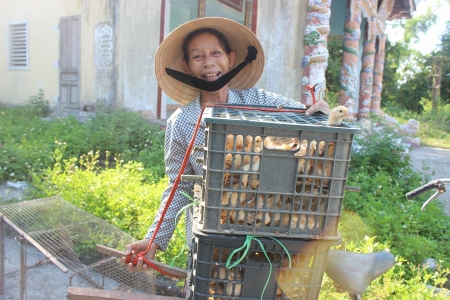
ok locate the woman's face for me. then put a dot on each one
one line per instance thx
(207, 59)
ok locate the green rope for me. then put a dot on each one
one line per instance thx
(176, 229)
(246, 245)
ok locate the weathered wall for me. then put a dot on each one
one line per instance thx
(43, 20)
(137, 43)
(95, 84)
(280, 29)
(127, 82)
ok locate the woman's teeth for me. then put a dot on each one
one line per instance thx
(211, 75)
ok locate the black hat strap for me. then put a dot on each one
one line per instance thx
(211, 86)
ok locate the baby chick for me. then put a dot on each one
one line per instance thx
(229, 142)
(239, 142)
(258, 144)
(336, 116)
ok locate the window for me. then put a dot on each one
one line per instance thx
(18, 45)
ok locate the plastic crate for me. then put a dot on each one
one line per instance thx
(212, 280)
(273, 174)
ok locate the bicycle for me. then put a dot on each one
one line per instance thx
(354, 272)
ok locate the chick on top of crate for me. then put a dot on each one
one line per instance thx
(207, 60)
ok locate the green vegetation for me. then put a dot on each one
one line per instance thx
(112, 166)
(28, 142)
(124, 187)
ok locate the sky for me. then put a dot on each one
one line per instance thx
(428, 42)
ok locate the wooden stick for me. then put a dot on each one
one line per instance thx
(76, 293)
(35, 244)
(119, 254)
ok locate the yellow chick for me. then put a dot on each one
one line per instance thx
(239, 142)
(258, 144)
(246, 166)
(237, 161)
(248, 143)
(337, 115)
(228, 160)
(229, 142)
(255, 166)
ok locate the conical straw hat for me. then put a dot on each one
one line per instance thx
(170, 55)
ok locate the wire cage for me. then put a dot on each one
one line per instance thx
(279, 174)
(48, 245)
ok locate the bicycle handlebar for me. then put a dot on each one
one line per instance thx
(438, 184)
(435, 184)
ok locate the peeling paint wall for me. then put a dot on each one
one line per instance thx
(280, 29)
(137, 43)
(95, 84)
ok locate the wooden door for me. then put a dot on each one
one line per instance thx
(69, 62)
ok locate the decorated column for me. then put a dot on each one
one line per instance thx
(349, 69)
(316, 53)
(378, 75)
(366, 76)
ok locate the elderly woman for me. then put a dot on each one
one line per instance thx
(207, 60)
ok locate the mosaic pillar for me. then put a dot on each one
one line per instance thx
(366, 76)
(316, 53)
(350, 46)
(378, 75)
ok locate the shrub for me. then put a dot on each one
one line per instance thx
(383, 172)
(118, 194)
(36, 106)
(27, 142)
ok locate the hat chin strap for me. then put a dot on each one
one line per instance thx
(212, 86)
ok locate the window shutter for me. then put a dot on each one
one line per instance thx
(18, 45)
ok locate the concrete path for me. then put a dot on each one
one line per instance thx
(434, 162)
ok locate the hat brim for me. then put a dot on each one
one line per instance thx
(170, 55)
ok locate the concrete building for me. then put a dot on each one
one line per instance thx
(84, 53)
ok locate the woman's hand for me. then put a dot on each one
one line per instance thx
(320, 105)
(137, 247)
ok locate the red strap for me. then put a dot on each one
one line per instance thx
(311, 90)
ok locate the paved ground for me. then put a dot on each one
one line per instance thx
(434, 162)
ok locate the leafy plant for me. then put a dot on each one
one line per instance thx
(117, 193)
(36, 106)
(381, 169)
(27, 142)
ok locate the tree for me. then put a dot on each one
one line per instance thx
(406, 78)
(332, 74)
(445, 53)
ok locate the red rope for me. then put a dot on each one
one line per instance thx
(311, 90)
(178, 179)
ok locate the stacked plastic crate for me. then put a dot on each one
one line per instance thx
(278, 177)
